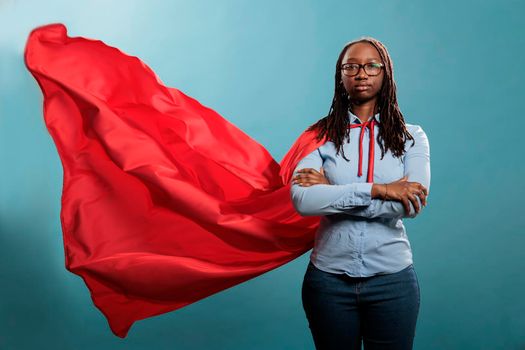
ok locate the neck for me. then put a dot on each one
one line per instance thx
(363, 110)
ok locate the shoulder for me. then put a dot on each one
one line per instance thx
(417, 132)
(420, 143)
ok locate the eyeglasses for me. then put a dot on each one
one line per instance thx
(371, 68)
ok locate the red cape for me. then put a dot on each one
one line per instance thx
(164, 201)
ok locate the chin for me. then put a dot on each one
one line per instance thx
(362, 98)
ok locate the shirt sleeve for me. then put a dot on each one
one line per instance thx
(417, 168)
(324, 199)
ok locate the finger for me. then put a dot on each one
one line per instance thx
(304, 170)
(311, 171)
(307, 180)
(299, 178)
(312, 182)
(296, 178)
(422, 197)
(310, 176)
(415, 203)
(420, 191)
(406, 205)
(315, 177)
(303, 175)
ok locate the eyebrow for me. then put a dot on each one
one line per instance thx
(368, 59)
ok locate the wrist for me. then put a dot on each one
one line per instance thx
(378, 191)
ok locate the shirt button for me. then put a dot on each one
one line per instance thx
(362, 233)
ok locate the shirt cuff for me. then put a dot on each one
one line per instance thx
(357, 194)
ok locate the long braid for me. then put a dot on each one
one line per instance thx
(392, 128)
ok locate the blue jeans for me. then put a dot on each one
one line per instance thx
(380, 311)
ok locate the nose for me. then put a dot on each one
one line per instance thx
(361, 74)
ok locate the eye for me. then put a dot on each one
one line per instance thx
(373, 68)
(350, 66)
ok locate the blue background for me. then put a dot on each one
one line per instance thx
(268, 67)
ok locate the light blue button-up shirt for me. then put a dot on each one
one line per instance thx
(358, 235)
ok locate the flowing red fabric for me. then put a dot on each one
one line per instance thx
(164, 202)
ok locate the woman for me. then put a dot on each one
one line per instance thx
(164, 201)
(360, 284)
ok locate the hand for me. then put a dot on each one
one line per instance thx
(404, 191)
(308, 177)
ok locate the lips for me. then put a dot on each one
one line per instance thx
(362, 87)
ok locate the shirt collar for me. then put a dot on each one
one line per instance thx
(354, 119)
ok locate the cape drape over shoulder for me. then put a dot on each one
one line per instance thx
(164, 201)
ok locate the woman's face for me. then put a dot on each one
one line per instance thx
(362, 87)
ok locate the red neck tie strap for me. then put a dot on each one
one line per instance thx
(370, 124)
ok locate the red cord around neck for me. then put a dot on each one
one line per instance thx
(370, 124)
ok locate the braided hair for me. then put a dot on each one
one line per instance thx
(392, 129)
